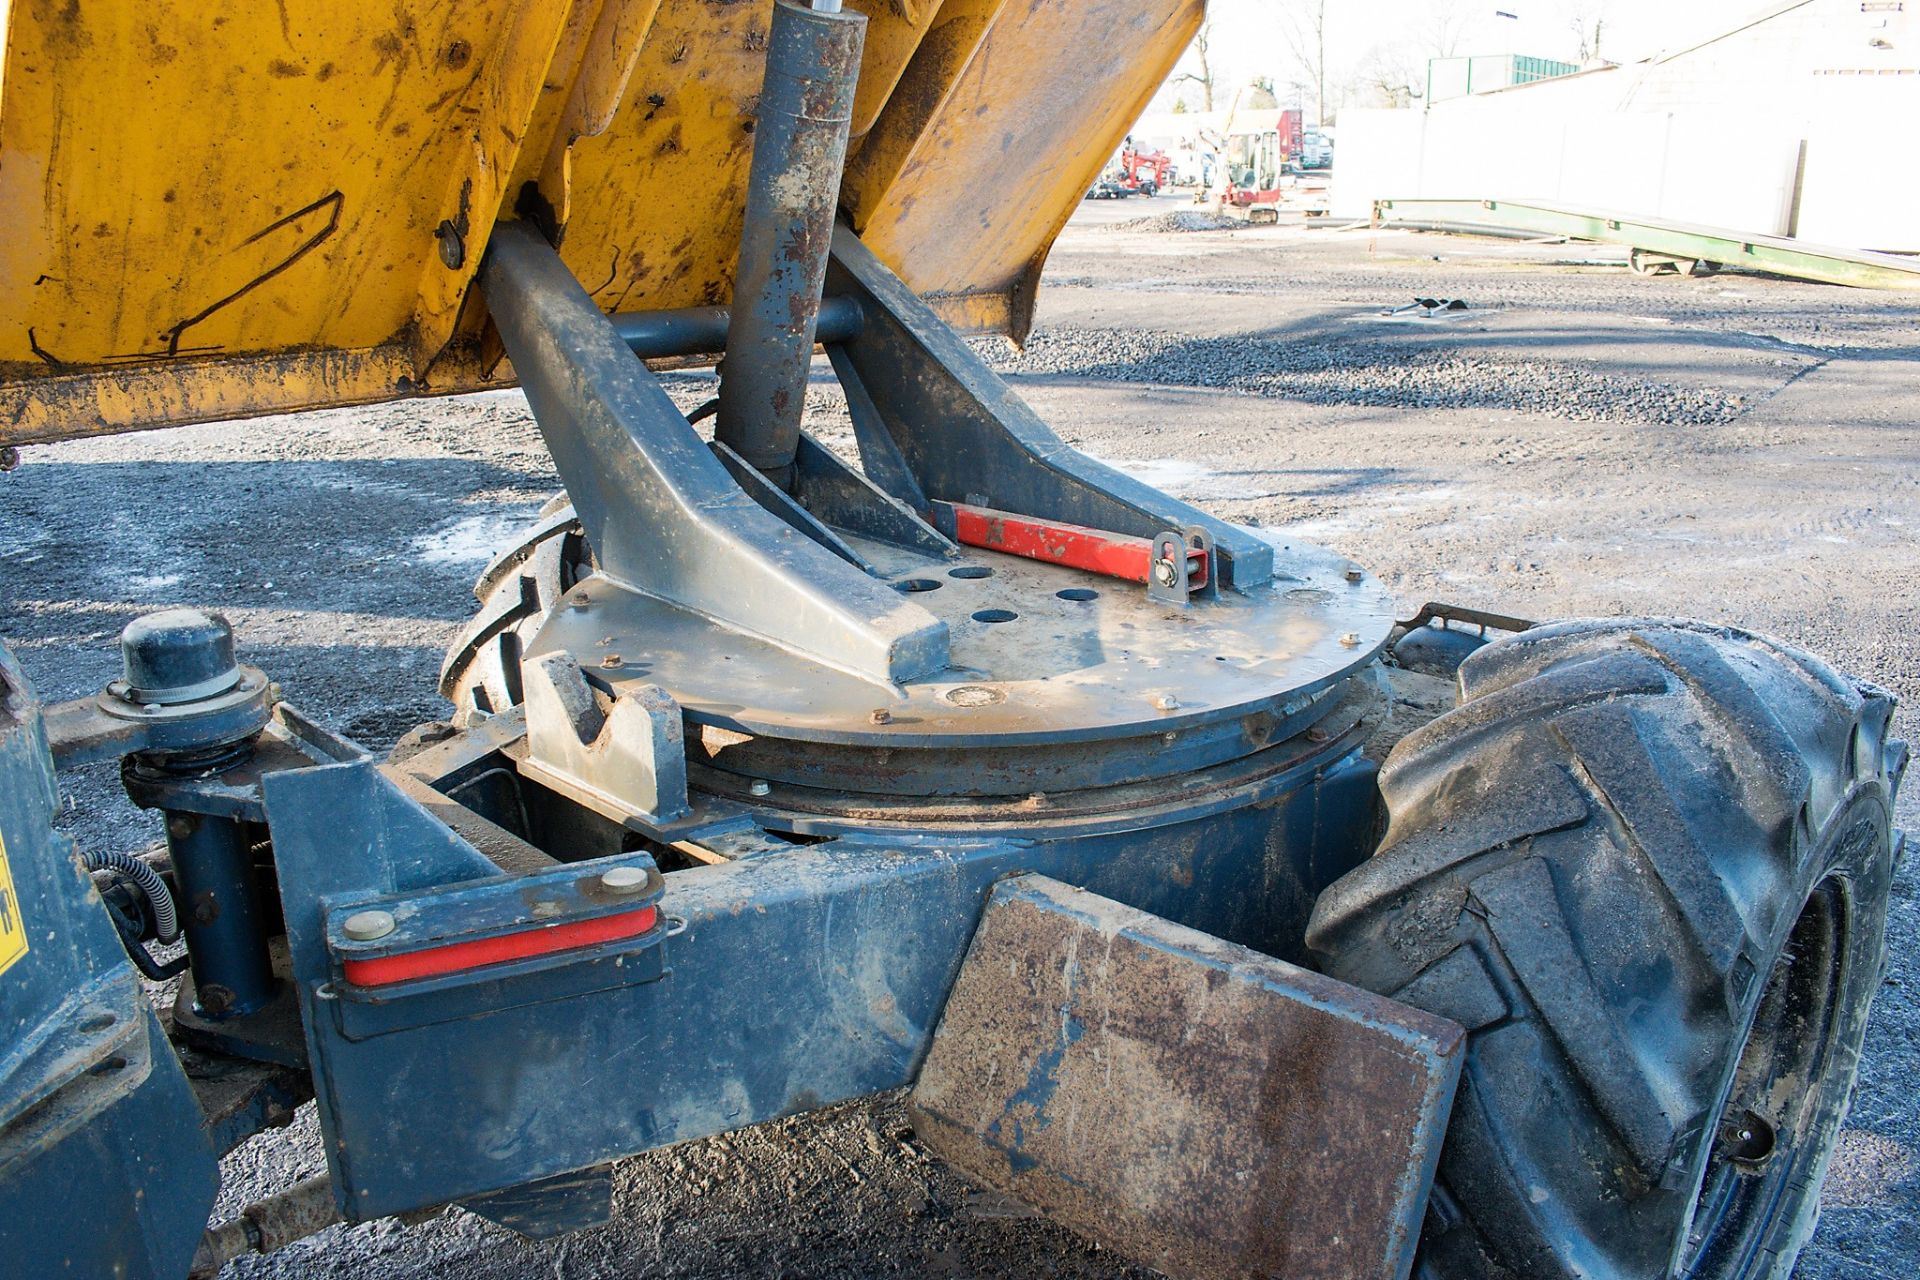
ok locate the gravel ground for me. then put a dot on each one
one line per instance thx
(1579, 442)
(1381, 374)
(1181, 220)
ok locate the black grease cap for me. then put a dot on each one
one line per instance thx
(178, 655)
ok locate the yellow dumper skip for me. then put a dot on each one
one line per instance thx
(213, 212)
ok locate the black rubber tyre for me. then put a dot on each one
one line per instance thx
(1646, 865)
(481, 674)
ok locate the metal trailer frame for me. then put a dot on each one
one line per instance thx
(1657, 241)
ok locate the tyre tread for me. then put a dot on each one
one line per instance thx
(1608, 792)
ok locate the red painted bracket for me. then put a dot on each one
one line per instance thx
(1112, 555)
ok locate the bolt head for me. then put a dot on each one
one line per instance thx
(1164, 702)
(625, 881)
(366, 926)
(1164, 572)
(760, 787)
(453, 245)
(612, 660)
(1351, 639)
(881, 716)
(1355, 573)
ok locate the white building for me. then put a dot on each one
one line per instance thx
(1799, 121)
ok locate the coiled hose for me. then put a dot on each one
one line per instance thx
(166, 919)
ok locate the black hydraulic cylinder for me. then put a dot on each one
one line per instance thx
(799, 149)
(226, 946)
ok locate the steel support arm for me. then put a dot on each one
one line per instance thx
(661, 513)
(968, 438)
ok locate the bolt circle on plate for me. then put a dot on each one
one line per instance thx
(366, 926)
(625, 881)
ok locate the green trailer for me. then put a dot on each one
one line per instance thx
(1656, 243)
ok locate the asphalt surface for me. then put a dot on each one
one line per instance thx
(1578, 441)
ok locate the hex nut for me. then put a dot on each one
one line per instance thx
(759, 787)
(366, 926)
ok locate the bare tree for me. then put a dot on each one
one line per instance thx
(1205, 78)
(1392, 74)
(1588, 21)
(1303, 25)
(1446, 26)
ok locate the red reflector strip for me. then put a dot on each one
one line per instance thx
(1112, 555)
(457, 957)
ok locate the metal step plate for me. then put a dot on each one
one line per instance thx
(1200, 1107)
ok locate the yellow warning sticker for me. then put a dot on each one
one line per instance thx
(13, 930)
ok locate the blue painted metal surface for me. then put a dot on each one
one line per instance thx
(104, 1168)
(213, 859)
(788, 981)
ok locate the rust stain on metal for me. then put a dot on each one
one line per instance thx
(1207, 1110)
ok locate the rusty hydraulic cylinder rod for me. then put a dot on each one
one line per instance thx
(799, 148)
(696, 331)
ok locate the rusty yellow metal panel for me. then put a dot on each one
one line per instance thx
(876, 158)
(1043, 104)
(217, 211)
(177, 179)
(656, 200)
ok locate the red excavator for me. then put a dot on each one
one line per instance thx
(1144, 172)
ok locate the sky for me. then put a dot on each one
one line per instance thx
(1249, 38)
